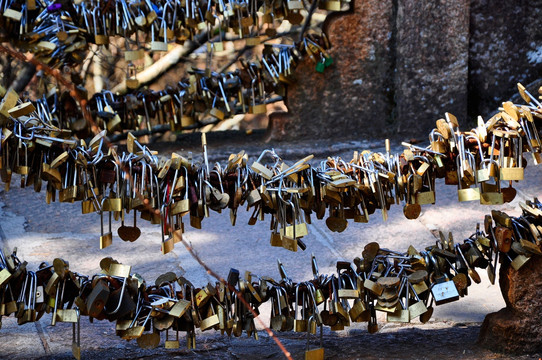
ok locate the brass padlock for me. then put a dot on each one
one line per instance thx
(76, 337)
(171, 344)
(418, 308)
(211, 320)
(106, 239)
(300, 325)
(131, 78)
(157, 45)
(317, 353)
(343, 292)
(358, 312)
(262, 169)
(22, 110)
(438, 142)
(519, 261)
(289, 243)
(372, 326)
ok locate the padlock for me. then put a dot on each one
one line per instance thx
(97, 298)
(211, 320)
(444, 292)
(317, 353)
(76, 337)
(171, 344)
(300, 325)
(106, 239)
(131, 78)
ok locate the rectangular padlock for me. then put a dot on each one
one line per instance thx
(373, 287)
(262, 170)
(417, 309)
(167, 246)
(332, 5)
(444, 292)
(515, 173)
(22, 110)
(295, 5)
(46, 45)
(66, 315)
(180, 308)
(119, 270)
(400, 315)
(158, 46)
(106, 240)
(209, 322)
(348, 293)
(289, 243)
(300, 230)
(13, 14)
(257, 109)
(519, 261)
(5, 275)
(133, 333)
(132, 55)
(8, 102)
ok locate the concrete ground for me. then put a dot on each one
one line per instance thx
(42, 232)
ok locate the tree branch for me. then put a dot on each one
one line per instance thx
(308, 20)
(171, 59)
(24, 77)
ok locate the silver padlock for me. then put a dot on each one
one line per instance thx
(39, 295)
(444, 292)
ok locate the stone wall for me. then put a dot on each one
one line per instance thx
(400, 64)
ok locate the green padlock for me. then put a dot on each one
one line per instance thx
(320, 67)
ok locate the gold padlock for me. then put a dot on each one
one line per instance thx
(317, 353)
(22, 110)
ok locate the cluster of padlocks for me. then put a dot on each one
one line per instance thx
(41, 141)
(59, 32)
(166, 190)
(205, 97)
(404, 285)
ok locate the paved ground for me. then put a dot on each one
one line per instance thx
(43, 232)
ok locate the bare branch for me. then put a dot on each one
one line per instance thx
(171, 59)
(24, 77)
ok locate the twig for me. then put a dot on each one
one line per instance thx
(97, 73)
(308, 20)
(87, 64)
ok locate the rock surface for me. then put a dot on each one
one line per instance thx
(517, 328)
(353, 96)
(431, 62)
(505, 48)
(400, 64)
